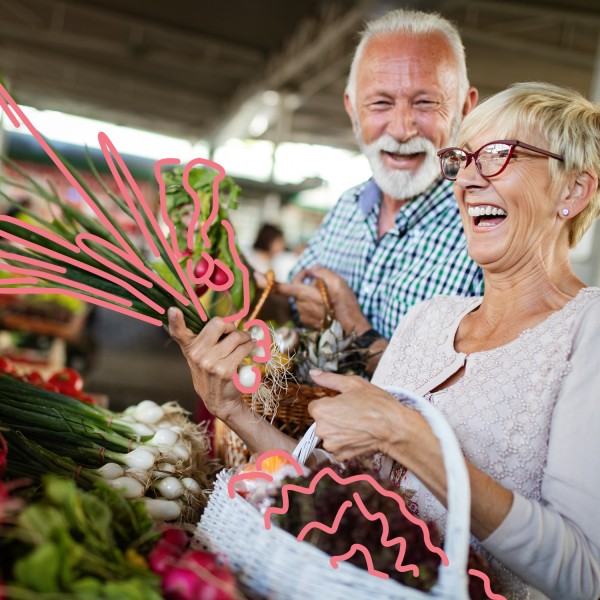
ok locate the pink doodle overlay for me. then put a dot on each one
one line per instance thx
(147, 226)
(379, 516)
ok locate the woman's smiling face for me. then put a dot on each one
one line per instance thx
(512, 218)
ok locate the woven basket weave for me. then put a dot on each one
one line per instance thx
(273, 564)
(291, 418)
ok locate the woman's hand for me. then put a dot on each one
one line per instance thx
(213, 360)
(362, 419)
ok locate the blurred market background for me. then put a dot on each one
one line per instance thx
(256, 86)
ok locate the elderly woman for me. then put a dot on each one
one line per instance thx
(513, 371)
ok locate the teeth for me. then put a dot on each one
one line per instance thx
(480, 211)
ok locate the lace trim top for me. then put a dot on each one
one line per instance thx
(503, 412)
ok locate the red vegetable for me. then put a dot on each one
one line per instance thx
(175, 537)
(201, 290)
(163, 557)
(202, 267)
(68, 381)
(6, 365)
(35, 378)
(180, 584)
(219, 276)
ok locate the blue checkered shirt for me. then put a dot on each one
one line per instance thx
(423, 256)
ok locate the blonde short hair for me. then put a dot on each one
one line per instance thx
(412, 23)
(568, 122)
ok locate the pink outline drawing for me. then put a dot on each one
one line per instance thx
(134, 199)
(385, 540)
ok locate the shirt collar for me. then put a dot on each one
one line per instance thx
(371, 195)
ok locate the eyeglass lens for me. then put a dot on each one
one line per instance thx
(490, 160)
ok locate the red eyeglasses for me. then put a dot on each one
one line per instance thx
(490, 160)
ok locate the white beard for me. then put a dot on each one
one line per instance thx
(397, 183)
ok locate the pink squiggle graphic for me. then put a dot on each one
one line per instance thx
(385, 540)
(335, 525)
(283, 454)
(108, 150)
(18, 281)
(122, 176)
(72, 261)
(486, 584)
(64, 281)
(327, 471)
(162, 194)
(33, 261)
(192, 192)
(335, 560)
(84, 298)
(17, 118)
(243, 476)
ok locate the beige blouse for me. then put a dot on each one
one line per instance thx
(528, 414)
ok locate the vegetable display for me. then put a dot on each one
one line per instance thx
(151, 452)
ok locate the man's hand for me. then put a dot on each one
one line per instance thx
(309, 302)
(311, 306)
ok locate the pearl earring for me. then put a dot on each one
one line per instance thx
(565, 212)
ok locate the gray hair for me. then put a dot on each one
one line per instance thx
(416, 23)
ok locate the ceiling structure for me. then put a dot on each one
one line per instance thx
(212, 70)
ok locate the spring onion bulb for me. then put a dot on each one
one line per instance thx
(140, 458)
(148, 412)
(181, 451)
(128, 486)
(164, 469)
(169, 487)
(162, 510)
(256, 333)
(246, 375)
(164, 437)
(110, 470)
(258, 352)
(141, 429)
(191, 485)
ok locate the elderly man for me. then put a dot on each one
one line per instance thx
(396, 239)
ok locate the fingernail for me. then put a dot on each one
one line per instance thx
(171, 312)
(316, 372)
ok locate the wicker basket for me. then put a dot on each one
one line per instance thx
(291, 418)
(273, 564)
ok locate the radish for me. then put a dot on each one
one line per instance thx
(202, 267)
(175, 536)
(163, 557)
(200, 290)
(180, 584)
(219, 276)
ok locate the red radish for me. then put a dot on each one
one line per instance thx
(202, 267)
(201, 290)
(180, 584)
(163, 557)
(176, 537)
(219, 276)
(223, 588)
(198, 558)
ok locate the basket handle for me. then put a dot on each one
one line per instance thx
(306, 445)
(453, 578)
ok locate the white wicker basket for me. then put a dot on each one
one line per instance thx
(273, 564)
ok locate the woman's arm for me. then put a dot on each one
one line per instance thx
(213, 357)
(350, 426)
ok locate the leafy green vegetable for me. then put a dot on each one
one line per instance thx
(80, 543)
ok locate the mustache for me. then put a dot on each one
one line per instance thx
(387, 143)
